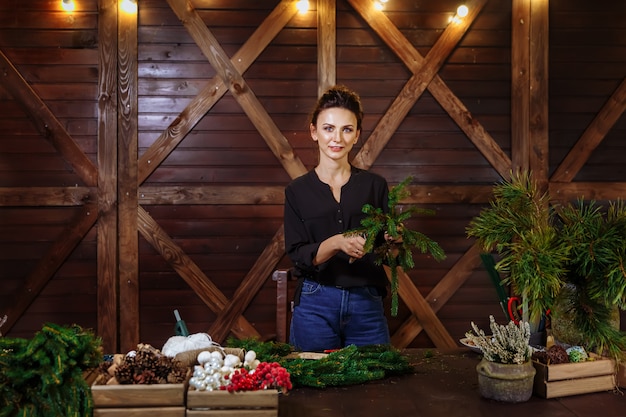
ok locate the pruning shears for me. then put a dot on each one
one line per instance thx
(511, 305)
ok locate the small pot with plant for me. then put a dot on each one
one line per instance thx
(505, 372)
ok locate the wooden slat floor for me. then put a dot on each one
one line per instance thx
(443, 385)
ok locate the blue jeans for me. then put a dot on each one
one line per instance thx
(328, 317)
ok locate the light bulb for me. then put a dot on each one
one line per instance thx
(462, 11)
(68, 5)
(303, 6)
(129, 6)
(378, 5)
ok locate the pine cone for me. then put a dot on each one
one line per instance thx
(125, 372)
(557, 354)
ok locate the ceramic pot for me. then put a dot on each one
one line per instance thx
(506, 382)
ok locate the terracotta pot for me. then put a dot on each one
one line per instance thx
(506, 382)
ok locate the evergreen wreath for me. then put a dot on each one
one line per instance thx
(347, 366)
(43, 376)
(391, 252)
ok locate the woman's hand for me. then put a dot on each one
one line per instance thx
(353, 246)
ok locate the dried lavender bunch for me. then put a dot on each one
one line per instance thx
(506, 344)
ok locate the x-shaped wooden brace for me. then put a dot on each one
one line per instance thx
(424, 74)
(229, 77)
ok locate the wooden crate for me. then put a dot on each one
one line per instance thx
(621, 375)
(158, 400)
(262, 403)
(567, 379)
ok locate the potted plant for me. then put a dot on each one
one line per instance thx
(574, 251)
(505, 372)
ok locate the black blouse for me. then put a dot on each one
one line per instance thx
(312, 215)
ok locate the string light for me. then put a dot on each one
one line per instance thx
(461, 12)
(68, 5)
(303, 6)
(129, 6)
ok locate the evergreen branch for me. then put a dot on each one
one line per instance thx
(398, 252)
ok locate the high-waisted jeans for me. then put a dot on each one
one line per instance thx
(329, 317)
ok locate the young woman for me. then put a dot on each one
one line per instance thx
(339, 300)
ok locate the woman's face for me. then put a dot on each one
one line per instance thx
(335, 132)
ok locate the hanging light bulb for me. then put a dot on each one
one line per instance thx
(68, 5)
(462, 11)
(303, 6)
(129, 6)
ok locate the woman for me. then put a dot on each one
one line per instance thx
(339, 300)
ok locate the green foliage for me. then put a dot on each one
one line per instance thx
(43, 376)
(543, 247)
(517, 225)
(347, 366)
(398, 250)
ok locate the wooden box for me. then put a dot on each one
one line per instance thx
(262, 403)
(158, 400)
(567, 379)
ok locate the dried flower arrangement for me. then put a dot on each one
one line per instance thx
(507, 344)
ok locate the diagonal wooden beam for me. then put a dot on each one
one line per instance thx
(439, 295)
(46, 122)
(189, 271)
(238, 87)
(422, 311)
(213, 91)
(50, 263)
(593, 136)
(413, 60)
(249, 287)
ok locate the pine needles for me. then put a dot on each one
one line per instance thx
(544, 247)
(43, 376)
(395, 252)
(518, 226)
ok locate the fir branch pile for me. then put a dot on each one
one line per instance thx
(347, 366)
(398, 250)
(43, 376)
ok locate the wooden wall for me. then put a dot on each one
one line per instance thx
(141, 173)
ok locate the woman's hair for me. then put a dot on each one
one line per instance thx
(342, 97)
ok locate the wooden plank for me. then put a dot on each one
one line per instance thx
(138, 395)
(249, 287)
(439, 295)
(232, 400)
(448, 194)
(128, 265)
(49, 264)
(211, 194)
(238, 87)
(189, 271)
(539, 134)
(520, 83)
(107, 253)
(213, 91)
(326, 45)
(45, 196)
(593, 136)
(46, 123)
(571, 191)
(275, 195)
(140, 412)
